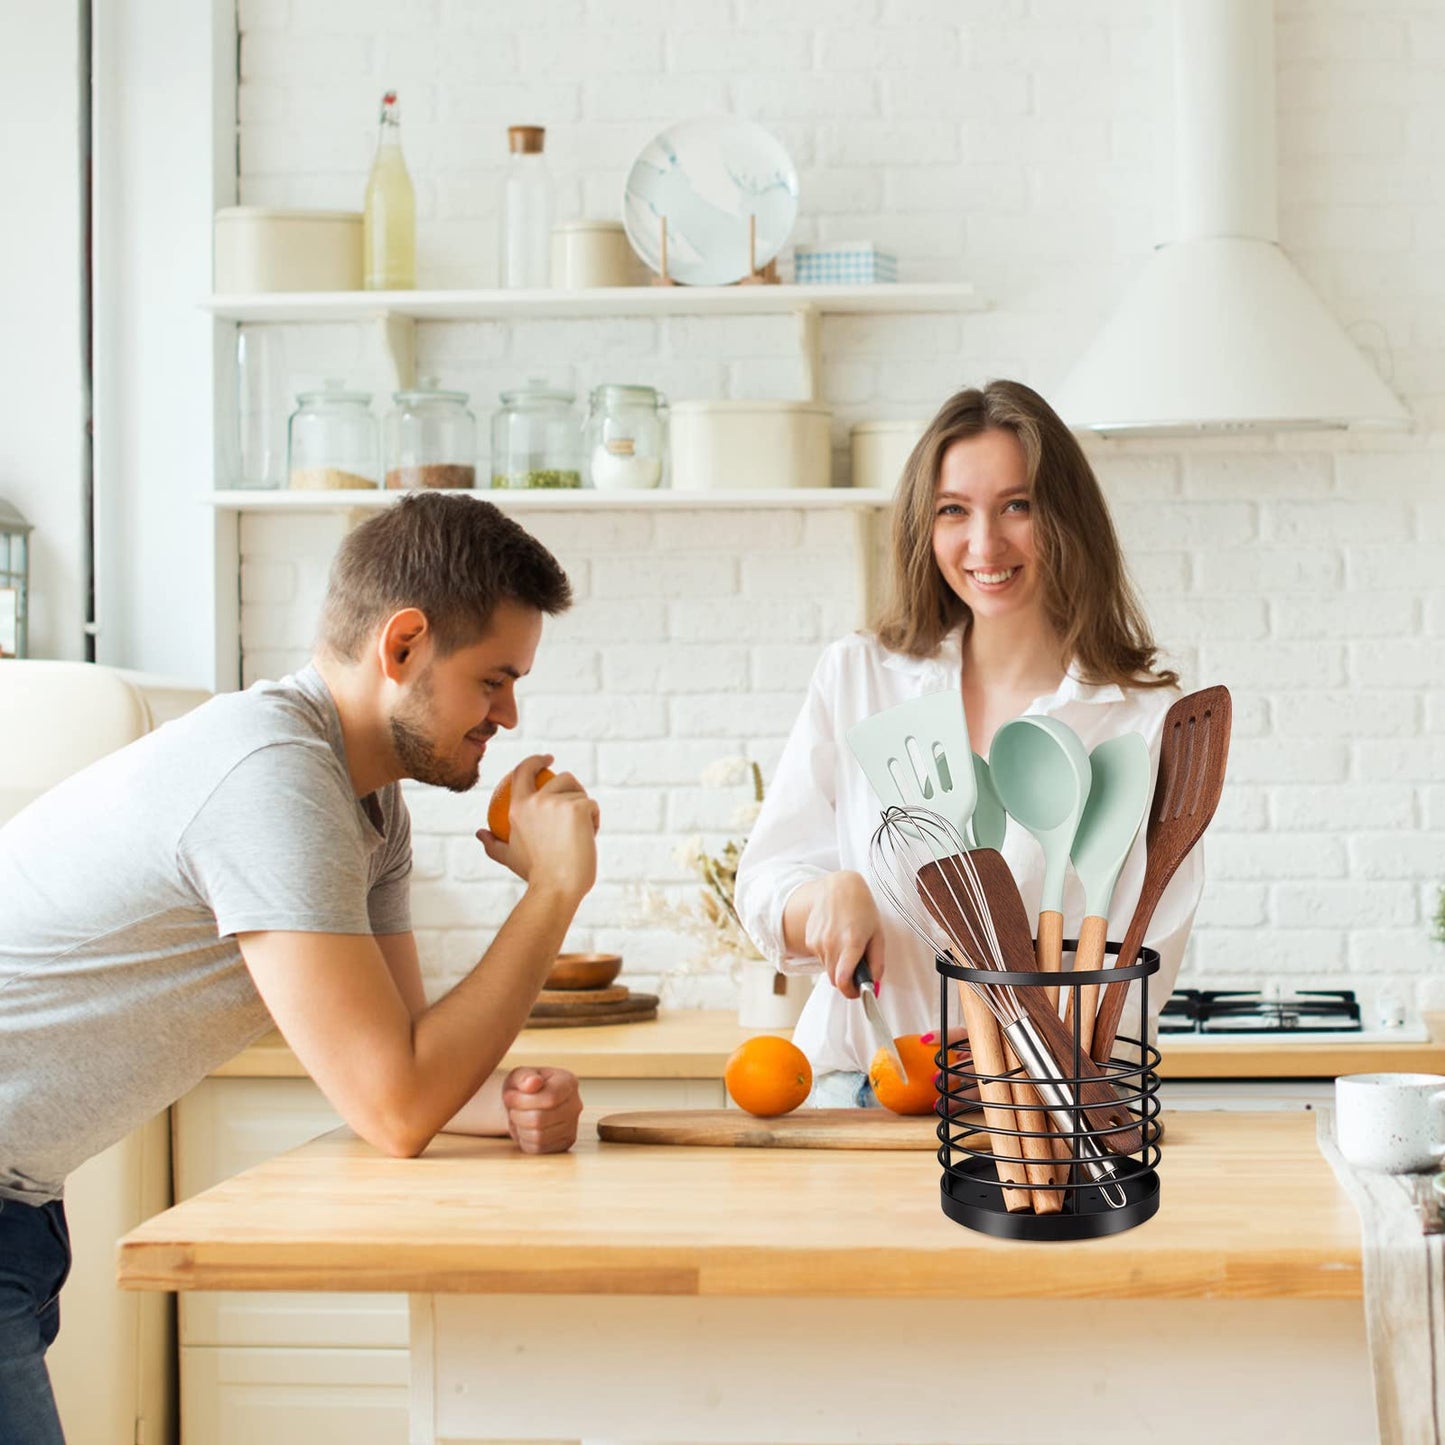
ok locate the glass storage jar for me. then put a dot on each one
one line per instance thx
(625, 437)
(535, 438)
(332, 441)
(430, 439)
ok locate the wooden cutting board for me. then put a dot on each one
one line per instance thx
(802, 1129)
(598, 1019)
(581, 1007)
(610, 994)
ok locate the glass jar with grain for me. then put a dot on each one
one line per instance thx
(431, 439)
(536, 440)
(332, 442)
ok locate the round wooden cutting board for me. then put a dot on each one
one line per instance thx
(592, 1021)
(579, 1006)
(610, 994)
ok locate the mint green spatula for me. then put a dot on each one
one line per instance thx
(1118, 799)
(989, 822)
(916, 753)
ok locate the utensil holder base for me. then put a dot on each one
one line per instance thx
(971, 1192)
(970, 1196)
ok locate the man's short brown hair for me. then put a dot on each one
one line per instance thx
(455, 558)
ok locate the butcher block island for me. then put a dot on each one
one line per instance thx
(635, 1292)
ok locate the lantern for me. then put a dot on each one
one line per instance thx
(14, 580)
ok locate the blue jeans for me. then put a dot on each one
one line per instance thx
(842, 1089)
(34, 1261)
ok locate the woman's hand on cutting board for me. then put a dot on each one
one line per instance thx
(835, 920)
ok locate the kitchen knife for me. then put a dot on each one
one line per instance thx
(877, 1025)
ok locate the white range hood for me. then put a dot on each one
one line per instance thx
(1219, 331)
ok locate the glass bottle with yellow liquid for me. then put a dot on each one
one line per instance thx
(389, 217)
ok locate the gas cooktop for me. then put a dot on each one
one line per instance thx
(1304, 1015)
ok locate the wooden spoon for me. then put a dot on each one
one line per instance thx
(954, 906)
(1192, 759)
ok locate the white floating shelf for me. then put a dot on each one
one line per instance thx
(574, 499)
(598, 301)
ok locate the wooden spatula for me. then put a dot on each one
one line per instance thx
(954, 908)
(1192, 759)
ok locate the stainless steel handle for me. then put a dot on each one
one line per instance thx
(1044, 1075)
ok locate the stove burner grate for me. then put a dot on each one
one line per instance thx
(1233, 1011)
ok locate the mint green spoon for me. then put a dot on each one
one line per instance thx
(1041, 774)
(1118, 800)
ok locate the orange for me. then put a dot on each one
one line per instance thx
(917, 1094)
(768, 1075)
(499, 810)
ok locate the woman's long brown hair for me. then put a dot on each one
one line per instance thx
(1087, 595)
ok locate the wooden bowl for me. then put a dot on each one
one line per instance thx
(584, 970)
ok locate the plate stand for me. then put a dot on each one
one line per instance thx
(757, 276)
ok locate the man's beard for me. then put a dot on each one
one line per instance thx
(416, 751)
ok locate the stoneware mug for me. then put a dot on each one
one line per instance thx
(1392, 1123)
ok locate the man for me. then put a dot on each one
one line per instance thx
(247, 865)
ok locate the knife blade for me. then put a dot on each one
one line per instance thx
(873, 1015)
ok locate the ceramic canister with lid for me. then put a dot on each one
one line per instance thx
(625, 438)
(594, 253)
(879, 450)
(332, 440)
(266, 248)
(431, 439)
(750, 444)
(536, 442)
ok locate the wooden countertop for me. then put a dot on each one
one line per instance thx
(695, 1044)
(1250, 1210)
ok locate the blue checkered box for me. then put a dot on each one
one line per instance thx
(856, 263)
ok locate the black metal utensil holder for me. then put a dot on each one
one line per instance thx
(972, 1194)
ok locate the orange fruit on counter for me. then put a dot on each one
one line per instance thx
(499, 810)
(768, 1075)
(917, 1094)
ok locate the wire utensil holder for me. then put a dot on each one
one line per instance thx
(971, 1191)
(1066, 1147)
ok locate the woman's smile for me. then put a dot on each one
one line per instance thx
(992, 579)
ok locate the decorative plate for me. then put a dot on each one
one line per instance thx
(706, 177)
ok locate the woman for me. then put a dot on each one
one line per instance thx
(1007, 583)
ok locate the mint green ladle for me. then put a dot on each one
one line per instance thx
(1041, 774)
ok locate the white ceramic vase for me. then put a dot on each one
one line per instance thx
(761, 1005)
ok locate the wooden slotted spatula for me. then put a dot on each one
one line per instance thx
(952, 905)
(1192, 758)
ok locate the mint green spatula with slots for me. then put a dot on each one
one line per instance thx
(916, 753)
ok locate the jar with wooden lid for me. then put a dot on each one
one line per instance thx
(430, 439)
(332, 442)
(625, 438)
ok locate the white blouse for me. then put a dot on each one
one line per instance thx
(820, 814)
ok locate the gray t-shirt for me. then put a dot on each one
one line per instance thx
(121, 890)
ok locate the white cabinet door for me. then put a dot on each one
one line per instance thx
(222, 1127)
(293, 1397)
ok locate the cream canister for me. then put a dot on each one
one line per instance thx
(593, 253)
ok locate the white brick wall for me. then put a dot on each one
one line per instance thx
(1007, 142)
